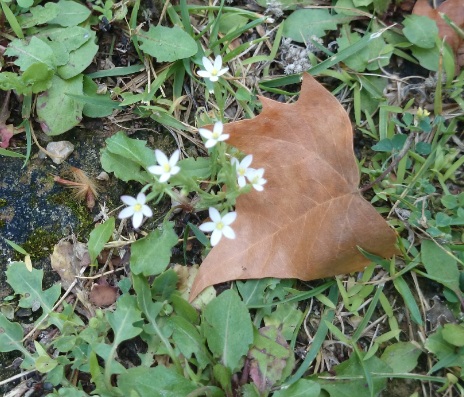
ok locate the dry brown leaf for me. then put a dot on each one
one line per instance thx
(68, 259)
(103, 294)
(310, 218)
(454, 9)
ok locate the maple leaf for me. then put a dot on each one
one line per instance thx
(311, 217)
(454, 9)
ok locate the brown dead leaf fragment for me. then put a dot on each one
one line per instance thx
(310, 218)
(454, 9)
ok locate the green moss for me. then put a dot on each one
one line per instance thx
(2, 223)
(2, 203)
(39, 244)
(80, 211)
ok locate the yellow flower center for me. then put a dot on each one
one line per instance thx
(219, 225)
(166, 167)
(241, 171)
(215, 135)
(138, 207)
(214, 72)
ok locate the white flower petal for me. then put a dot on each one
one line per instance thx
(259, 188)
(129, 200)
(210, 143)
(218, 127)
(223, 137)
(141, 198)
(137, 220)
(207, 64)
(126, 213)
(156, 169)
(222, 71)
(241, 181)
(207, 134)
(165, 177)
(215, 237)
(234, 162)
(161, 157)
(213, 78)
(207, 227)
(175, 170)
(227, 219)
(214, 215)
(246, 162)
(174, 158)
(228, 232)
(218, 63)
(146, 210)
(204, 73)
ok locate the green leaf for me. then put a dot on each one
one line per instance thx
(16, 247)
(79, 59)
(28, 284)
(72, 38)
(301, 388)
(9, 153)
(11, 335)
(31, 52)
(286, 317)
(198, 168)
(123, 318)
(12, 20)
(353, 367)
(420, 30)
(38, 15)
(38, 76)
(70, 13)
(454, 334)
(188, 340)
(12, 81)
(96, 105)
(45, 364)
(403, 288)
(164, 285)
(401, 356)
(302, 24)
(131, 149)
(154, 382)
(228, 329)
(231, 21)
(271, 360)
(99, 237)
(427, 57)
(151, 255)
(70, 114)
(25, 3)
(119, 71)
(122, 322)
(448, 354)
(123, 169)
(167, 44)
(440, 265)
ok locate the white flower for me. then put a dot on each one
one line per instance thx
(242, 168)
(255, 177)
(219, 225)
(213, 71)
(136, 209)
(213, 137)
(166, 167)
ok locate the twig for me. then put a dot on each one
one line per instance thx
(394, 163)
(17, 376)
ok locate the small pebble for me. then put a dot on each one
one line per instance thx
(62, 150)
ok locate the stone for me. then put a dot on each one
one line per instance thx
(60, 150)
